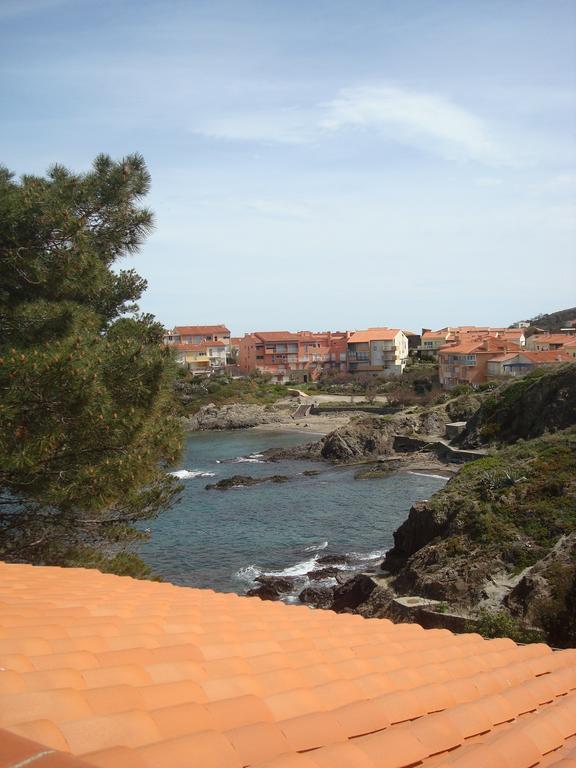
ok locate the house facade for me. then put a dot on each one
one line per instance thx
(204, 358)
(378, 351)
(201, 348)
(293, 356)
(467, 362)
(515, 364)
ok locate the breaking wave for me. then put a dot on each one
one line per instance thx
(428, 474)
(316, 547)
(188, 474)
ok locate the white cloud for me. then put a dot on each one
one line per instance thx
(429, 122)
(425, 120)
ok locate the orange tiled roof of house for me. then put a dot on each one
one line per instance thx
(185, 346)
(552, 338)
(134, 674)
(442, 334)
(271, 336)
(480, 344)
(548, 356)
(200, 330)
(374, 334)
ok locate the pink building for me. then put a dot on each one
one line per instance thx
(302, 356)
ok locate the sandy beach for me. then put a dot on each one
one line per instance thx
(315, 425)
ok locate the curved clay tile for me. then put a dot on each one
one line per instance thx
(100, 670)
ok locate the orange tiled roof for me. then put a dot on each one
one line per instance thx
(479, 345)
(135, 674)
(374, 334)
(552, 338)
(200, 330)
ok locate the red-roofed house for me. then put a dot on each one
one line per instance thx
(201, 348)
(432, 341)
(544, 342)
(522, 362)
(378, 350)
(467, 362)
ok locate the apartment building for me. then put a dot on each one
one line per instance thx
(378, 351)
(467, 362)
(293, 356)
(202, 349)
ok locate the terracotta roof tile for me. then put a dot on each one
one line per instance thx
(135, 674)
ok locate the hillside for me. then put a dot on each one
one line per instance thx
(553, 321)
(544, 401)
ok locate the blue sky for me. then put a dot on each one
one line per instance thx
(318, 164)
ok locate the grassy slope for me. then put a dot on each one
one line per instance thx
(518, 502)
(193, 394)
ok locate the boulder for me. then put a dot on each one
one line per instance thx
(323, 573)
(281, 584)
(352, 593)
(264, 592)
(423, 524)
(333, 560)
(318, 597)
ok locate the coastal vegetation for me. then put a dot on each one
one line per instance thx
(87, 419)
(193, 393)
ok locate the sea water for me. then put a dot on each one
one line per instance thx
(225, 539)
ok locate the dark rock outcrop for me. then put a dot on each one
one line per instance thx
(363, 437)
(264, 592)
(237, 481)
(323, 573)
(272, 587)
(282, 584)
(424, 523)
(333, 560)
(318, 597)
(352, 593)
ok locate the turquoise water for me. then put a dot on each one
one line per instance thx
(224, 539)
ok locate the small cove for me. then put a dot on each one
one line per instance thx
(223, 539)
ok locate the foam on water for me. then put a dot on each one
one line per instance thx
(188, 474)
(299, 569)
(316, 547)
(428, 474)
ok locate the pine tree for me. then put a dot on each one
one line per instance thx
(87, 424)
